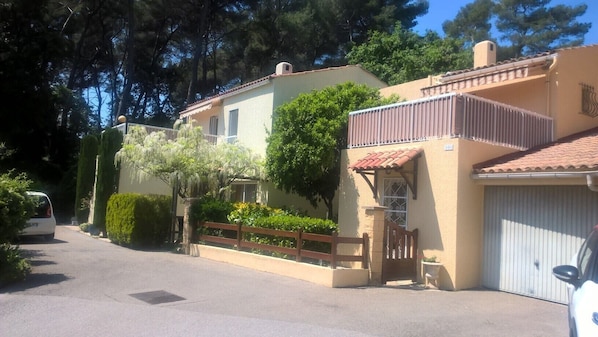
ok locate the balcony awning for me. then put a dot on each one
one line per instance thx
(389, 160)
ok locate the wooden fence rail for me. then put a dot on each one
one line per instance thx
(235, 238)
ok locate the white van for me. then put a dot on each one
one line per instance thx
(43, 221)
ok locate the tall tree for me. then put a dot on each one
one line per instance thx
(472, 23)
(525, 26)
(308, 134)
(530, 26)
(405, 56)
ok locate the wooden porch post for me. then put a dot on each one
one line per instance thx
(375, 231)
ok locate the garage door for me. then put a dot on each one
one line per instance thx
(530, 229)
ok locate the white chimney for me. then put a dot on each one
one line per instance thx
(484, 54)
(284, 68)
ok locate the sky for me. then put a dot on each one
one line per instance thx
(442, 10)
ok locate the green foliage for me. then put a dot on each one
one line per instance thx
(210, 209)
(139, 221)
(527, 26)
(246, 213)
(294, 223)
(15, 206)
(308, 135)
(107, 183)
(86, 170)
(472, 23)
(84, 227)
(188, 161)
(405, 56)
(12, 266)
(531, 26)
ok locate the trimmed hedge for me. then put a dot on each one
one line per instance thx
(107, 175)
(138, 221)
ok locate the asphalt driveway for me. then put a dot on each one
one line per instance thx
(89, 287)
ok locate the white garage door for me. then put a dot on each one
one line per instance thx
(530, 229)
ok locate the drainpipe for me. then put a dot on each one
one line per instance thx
(592, 182)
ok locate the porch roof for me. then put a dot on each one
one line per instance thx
(574, 153)
(386, 159)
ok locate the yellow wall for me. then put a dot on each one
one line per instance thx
(410, 90)
(574, 66)
(447, 211)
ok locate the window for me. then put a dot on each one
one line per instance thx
(233, 120)
(214, 125)
(244, 192)
(395, 198)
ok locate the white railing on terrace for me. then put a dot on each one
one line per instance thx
(448, 116)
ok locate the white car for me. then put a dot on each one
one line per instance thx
(43, 221)
(582, 283)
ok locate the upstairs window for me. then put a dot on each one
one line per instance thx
(233, 120)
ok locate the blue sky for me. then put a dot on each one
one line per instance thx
(442, 10)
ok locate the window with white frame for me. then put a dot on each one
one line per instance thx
(395, 199)
(233, 122)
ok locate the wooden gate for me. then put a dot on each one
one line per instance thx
(400, 253)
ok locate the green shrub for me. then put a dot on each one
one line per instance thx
(107, 175)
(86, 170)
(246, 213)
(84, 227)
(138, 221)
(12, 266)
(15, 206)
(210, 209)
(294, 223)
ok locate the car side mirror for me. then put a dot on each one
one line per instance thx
(567, 273)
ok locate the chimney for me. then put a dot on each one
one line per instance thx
(484, 54)
(284, 68)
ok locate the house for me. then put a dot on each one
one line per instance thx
(244, 114)
(495, 166)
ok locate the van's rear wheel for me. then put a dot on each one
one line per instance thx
(49, 237)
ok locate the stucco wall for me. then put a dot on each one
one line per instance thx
(447, 211)
(409, 90)
(574, 66)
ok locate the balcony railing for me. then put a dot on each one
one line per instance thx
(449, 116)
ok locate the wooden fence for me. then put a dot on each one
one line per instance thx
(239, 241)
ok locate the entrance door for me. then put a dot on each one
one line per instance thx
(400, 253)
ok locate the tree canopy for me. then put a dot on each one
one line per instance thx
(308, 134)
(526, 26)
(187, 162)
(403, 55)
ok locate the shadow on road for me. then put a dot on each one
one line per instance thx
(34, 281)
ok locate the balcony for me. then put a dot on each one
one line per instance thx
(449, 116)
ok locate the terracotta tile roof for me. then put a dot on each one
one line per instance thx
(516, 59)
(578, 152)
(386, 159)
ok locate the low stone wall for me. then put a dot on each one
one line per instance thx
(334, 278)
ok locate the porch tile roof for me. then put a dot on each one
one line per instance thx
(386, 159)
(577, 152)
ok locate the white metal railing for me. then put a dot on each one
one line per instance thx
(449, 115)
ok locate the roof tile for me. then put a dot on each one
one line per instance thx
(578, 152)
(386, 159)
